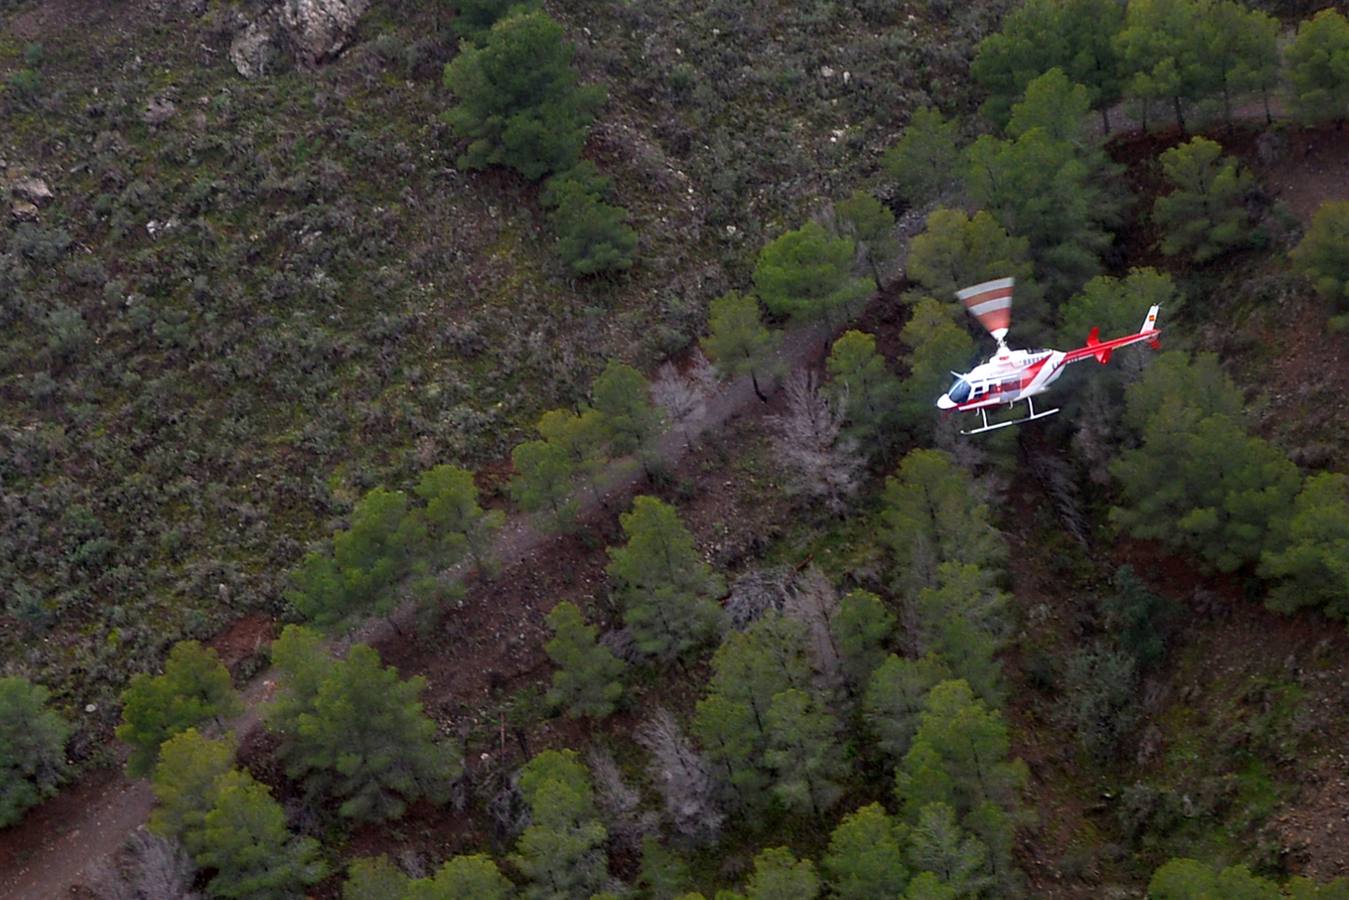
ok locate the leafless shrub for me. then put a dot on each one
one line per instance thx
(813, 602)
(684, 396)
(620, 643)
(681, 775)
(810, 443)
(756, 592)
(151, 868)
(627, 822)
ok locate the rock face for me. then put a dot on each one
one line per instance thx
(306, 31)
(32, 189)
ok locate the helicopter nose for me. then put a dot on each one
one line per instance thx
(944, 402)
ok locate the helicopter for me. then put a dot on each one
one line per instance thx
(1010, 376)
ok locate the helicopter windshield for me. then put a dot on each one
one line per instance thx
(960, 391)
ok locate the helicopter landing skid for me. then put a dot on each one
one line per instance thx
(983, 415)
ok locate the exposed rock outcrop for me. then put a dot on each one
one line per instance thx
(307, 32)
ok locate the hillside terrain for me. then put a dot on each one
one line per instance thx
(287, 373)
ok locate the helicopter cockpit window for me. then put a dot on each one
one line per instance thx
(960, 391)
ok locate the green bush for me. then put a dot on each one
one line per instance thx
(32, 748)
(1323, 253)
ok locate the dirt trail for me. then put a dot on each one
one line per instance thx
(64, 842)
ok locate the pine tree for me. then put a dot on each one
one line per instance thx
(587, 681)
(956, 250)
(862, 629)
(1317, 65)
(1117, 306)
(806, 275)
(779, 875)
(739, 343)
(561, 853)
(593, 236)
(1056, 106)
(1189, 879)
(664, 874)
(1077, 36)
(631, 421)
(542, 482)
(1322, 255)
(803, 753)
(1175, 380)
(582, 436)
(32, 747)
(939, 845)
(921, 163)
(859, 377)
(1238, 49)
(1204, 216)
(1310, 556)
(453, 517)
(473, 19)
(469, 877)
(185, 785)
(963, 619)
(1139, 619)
(375, 878)
(361, 737)
(931, 516)
(895, 697)
(518, 100)
(244, 839)
(871, 224)
(866, 856)
(937, 347)
(665, 584)
(195, 687)
(1159, 47)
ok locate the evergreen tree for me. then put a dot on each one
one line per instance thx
(582, 436)
(937, 347)
(807, 275)
(368, 562)
(1159, 47)
(1188, 879)
(1076, 36)
(862, 629)
(186, 785)
(1098, 699)
(664, 874)
(870, 223)
(593, 236)
(473, 19)
(561, 853)
(895, 697)
(587, 681)
(1204, 486)
(1173, 379)
(519, 104)
(632, 422)
(779, 875)
(1139, 619)
(1116, 305)
(1317, 66)
(921, 163)
(665, 584)
(930, 516)
(244, 839)
(542, 482)
(970, 742)
(454, 520)
(803, 753)
(927, 886)
(1052, 194)
(361, 737)
(739, 343)
(1054, 105)
(955, 251)
(866, 856)
(195, 687)
(940, 846)
(963, 619)
(859, 376)
(1204, 216)
(32, 747)
(469, 877)
(1310, 555)
(375, 878)
(1323, 254)
(1238, 48)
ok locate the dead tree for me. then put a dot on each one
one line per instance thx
(809, 441)
(681, 775)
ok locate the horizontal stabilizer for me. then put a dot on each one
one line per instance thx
(1094, 341)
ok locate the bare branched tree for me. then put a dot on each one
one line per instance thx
(684, 397)
(756, 592)
(150, 867)
(620, 804)
(813, 602)
(810, 443)
(682, 777)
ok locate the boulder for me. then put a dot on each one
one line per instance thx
(23, 211)
(32, 189)
(158, 111)
(308, 32)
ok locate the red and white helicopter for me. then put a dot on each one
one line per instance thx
(1012, 375)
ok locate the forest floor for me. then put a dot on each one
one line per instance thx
(495, 644)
